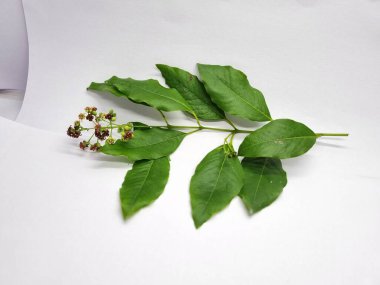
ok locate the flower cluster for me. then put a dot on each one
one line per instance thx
(126, 131)
(74, 132)
(103, 124)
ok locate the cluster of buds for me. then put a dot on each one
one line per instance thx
(75, 131)
(100, 133)
(126, 132)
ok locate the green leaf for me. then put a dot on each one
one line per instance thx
(192, 90)
(107, 88)
(138, 125)
(264, 180)
(143, 184)
(218, 178)
(150, 92)
(102, 87)
(281, 138)
(150, 143)
(229, 88)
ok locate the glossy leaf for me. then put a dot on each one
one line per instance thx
(143, 184)
(150, 92)
(218, 178)
(150, 143)
(281, 138)
(264, 180)
(192, 90)
(229, 88)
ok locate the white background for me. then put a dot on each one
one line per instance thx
(13, 57)
(315, 61)
(13, 46)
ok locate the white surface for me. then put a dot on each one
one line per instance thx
(61, 223)
(316, 61)
(13, 46)
(10, 103)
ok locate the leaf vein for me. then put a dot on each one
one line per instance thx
(243, 99)
(166, 97)
(142, 185)
(261, 175)
(256, 144)
(216, 183)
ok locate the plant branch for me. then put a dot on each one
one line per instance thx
(164, 117)
(332, 135)
(230, 123)
(199, 128)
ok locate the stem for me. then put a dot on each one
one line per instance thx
(231, 123)
(205, 128)
(198, 128)
(197, 119)
(192, 132)
(164, 117)
(232, 138)
(332, 135)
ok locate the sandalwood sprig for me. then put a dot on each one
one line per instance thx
(253, 172)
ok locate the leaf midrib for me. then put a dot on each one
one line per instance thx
(261, 176)
(202, 98)
(163, 96)
(256, 144)
(142, 185)
(243, 99)
(216, 183)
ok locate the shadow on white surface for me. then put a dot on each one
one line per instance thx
(14, 46)
(10, 103)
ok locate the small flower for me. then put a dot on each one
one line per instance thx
(93, 111)
(95, 146)
(90, 117)
(111, 115)
(110, 140)
(125, 136)
(84, 144)
(81, 116)
(101, 134)
(128, 127)
(72, 132)
(77, 125)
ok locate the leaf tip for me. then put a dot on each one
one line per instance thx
(197, 224)
(126, 214)
(91, 86)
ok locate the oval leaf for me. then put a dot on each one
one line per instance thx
(192, 90)
(107, 88)
(281, 138)
(143, 184)
(150, 143)
(150, 92)
(229, 88)
(102, 87)
(264, 180)
(218, 178)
